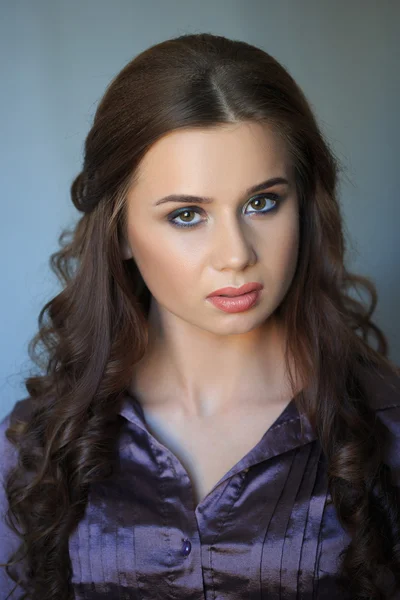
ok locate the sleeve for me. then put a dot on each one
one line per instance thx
(390, 417)
(9, 541)
(383, 391)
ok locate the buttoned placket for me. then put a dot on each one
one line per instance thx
(191, 527)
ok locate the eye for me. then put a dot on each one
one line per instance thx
(259, 200)
(256, 201)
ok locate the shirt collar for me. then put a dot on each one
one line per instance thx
(290, 430)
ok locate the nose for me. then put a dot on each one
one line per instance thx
(233, 247)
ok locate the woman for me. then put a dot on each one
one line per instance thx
(185, 444)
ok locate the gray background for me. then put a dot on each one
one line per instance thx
(57, 59)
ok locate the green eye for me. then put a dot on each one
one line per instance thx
(256, 200)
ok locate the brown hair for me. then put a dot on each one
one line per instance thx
(95, 329)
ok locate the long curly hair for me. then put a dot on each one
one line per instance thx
(94, 331)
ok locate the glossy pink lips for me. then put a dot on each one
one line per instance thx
(233, 291)
(235, 304)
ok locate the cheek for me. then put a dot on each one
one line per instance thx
(164, 271)
(281, 251)
(289, 259)
(289, 247)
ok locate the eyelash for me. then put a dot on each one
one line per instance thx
(171, 218)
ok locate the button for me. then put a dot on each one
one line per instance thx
(186, 547)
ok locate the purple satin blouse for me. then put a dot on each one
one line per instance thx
(268, 529)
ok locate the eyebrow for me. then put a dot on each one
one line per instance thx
(206, 200)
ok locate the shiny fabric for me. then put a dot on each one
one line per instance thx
(267, 530)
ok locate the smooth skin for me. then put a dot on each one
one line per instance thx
(211, 382)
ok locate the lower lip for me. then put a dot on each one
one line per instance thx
(235, 304)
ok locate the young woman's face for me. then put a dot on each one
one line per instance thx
(186, 250)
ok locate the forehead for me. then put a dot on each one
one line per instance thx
(246, 152)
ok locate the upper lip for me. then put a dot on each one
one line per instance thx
(232, 291)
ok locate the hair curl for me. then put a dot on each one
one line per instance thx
(95, 330)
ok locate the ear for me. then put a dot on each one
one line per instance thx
(125, 249)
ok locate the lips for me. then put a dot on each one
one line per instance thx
(231, 291)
